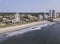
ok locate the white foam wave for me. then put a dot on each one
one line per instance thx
(38, 27)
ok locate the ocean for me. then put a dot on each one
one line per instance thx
(47, 34)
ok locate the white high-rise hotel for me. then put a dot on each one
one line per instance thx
(52, 13)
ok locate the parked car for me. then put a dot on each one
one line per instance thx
(14, 21)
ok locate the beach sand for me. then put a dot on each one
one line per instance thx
(19, 27)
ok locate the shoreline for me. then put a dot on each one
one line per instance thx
(20, 27)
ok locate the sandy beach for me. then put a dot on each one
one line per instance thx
(19, 27)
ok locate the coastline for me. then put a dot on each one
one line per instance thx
(19, 27)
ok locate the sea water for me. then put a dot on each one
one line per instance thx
(39, 34)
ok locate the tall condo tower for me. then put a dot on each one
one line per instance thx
(52, 13)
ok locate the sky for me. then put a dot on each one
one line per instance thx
(29, 5)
